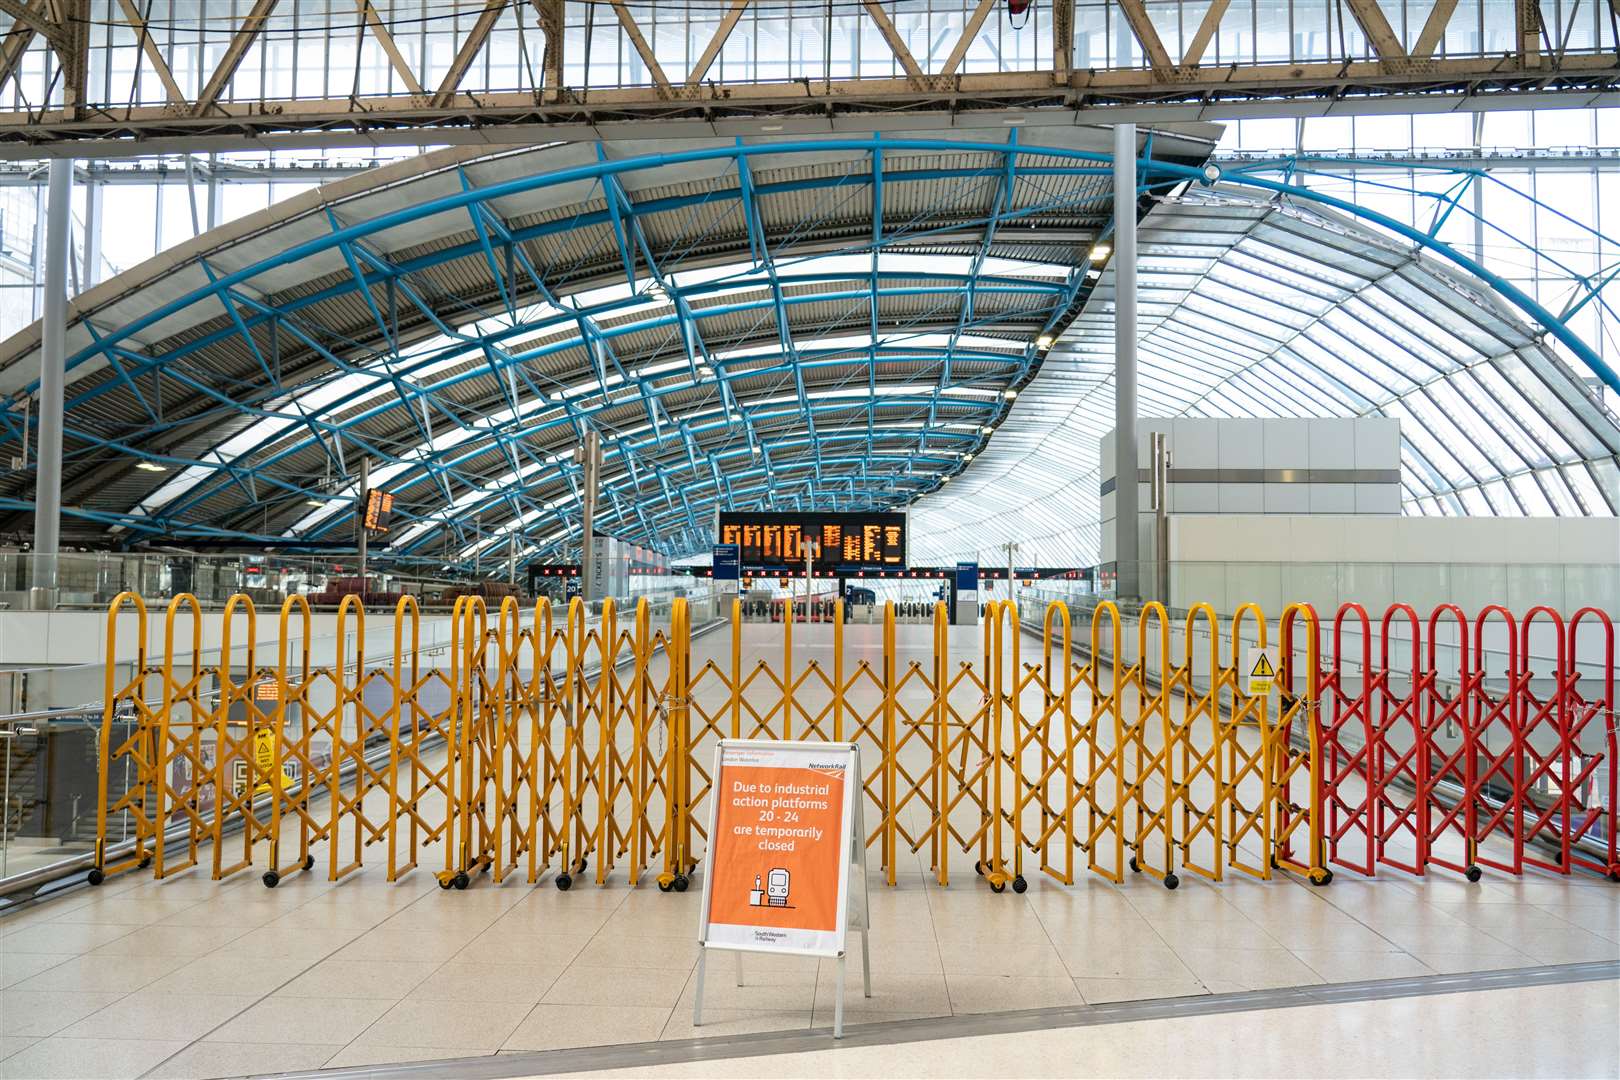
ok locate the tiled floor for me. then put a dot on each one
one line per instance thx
(1546, 1031)
(190, 977)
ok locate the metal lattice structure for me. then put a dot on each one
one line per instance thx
(91, 77)
(831, 324)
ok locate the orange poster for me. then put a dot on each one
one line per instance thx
(778, 848)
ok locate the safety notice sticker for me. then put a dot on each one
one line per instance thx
(1261, 665)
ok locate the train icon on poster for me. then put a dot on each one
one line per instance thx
(775, 892)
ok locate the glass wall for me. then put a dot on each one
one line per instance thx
(152, 204)
(1545, 214)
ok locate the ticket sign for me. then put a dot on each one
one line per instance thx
(781, 848)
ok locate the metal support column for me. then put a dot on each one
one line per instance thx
(52, 357)
(91, 275)
(360, 521)
(589, 457)
(1160, 503)
(812, 549)
(1127, 553)
(212, 215)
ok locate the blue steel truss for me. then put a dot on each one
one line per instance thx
(788, 376)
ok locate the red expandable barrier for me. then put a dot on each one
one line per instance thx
(1594, 807)
(1347, 738)
(1448, 757)
(1498, 759)
(1544, 742)
(1494, 760)
(1397, 760)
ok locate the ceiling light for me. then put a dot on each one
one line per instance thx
(967, 458)
(1100, 251)
(314, 502)
(1009, 394)
(1044, 341)
(1212, 173)
(151, 466)
(771, 127)
(985, 430)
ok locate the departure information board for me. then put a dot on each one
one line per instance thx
(847, 541)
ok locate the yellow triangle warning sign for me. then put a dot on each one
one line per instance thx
(1262, 670)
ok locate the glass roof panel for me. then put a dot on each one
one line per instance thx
(1303, 314)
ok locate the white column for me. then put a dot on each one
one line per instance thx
(52, 359)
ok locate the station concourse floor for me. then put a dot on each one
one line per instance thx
(190, 977)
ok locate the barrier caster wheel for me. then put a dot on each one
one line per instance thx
(144, 863)
(444, 883)
(1135, 869)
(1319, 877)
(978, 867)
(1019, 884)
(1274, 863)
(681, 883)
(1171, 881)
(564, 882)
(271, 879)
(1474, 873)
(95, 876)
(309, 862)
(998, 887)
(665, 886)
(461, 880)
(584, 864)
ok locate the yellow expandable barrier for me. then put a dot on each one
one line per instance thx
(532, 743)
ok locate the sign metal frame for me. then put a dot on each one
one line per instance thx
(852, 885)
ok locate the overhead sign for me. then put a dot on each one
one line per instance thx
(781, 846)
(774, 542)
(727, 562)
(1261, 667)
(967, 577)
(379, 510)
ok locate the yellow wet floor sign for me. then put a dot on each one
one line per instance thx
(1262, 670)
(264, 762)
